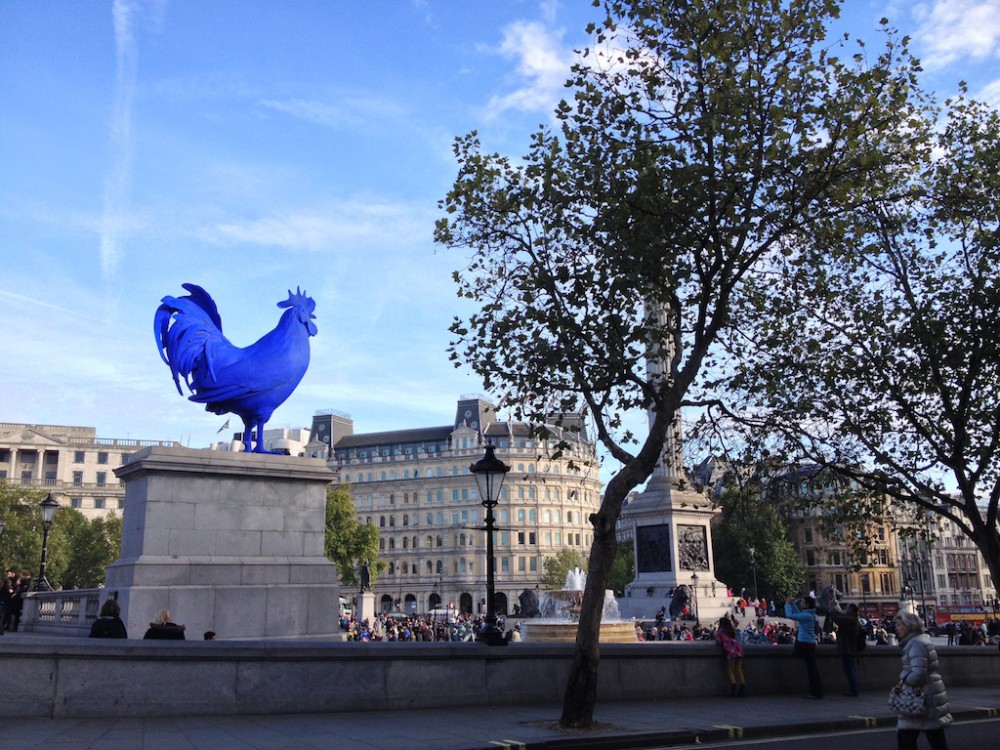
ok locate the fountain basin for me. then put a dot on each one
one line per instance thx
(535, 631)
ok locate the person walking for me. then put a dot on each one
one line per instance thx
(849, 636)
(805, 641)
(727, 638)
(920, 670)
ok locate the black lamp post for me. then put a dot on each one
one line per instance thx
(49, 508)
(694, 591)
(753, 566)
(923, 598)
(490, 472)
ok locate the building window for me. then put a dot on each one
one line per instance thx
(77, 478)
(121, 503)
(78, 457)
(74, 502)
(102, 478)
(102, 457)
(99, 503)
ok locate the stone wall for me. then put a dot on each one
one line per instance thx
(70, 677)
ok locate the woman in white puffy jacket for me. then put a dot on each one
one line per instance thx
(920, 670)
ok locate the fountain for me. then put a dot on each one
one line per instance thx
(559, 611)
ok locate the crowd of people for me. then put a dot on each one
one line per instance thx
(402, 627)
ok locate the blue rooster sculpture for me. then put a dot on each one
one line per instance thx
(249, 382)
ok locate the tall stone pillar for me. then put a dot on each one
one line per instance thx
(229, 542)
(671, 525)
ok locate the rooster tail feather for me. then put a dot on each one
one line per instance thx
(187, 332)
(161, 326)
(204, 300)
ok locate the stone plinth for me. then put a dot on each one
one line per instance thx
(671, 530)
(230, 542)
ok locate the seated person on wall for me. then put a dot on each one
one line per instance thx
(109, 623)
(164, 629)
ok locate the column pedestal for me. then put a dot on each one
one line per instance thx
(672, 538)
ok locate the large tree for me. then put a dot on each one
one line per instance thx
(21, 540)
(752, 548)
(702, 139)
(880, 357)
(558, 567)
(81, 549)
(348, 543)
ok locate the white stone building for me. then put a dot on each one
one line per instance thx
(415, 486)
(72, 463)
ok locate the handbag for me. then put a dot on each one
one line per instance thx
(907, 700)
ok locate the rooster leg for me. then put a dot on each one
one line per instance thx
(259, 445)
(247, 435)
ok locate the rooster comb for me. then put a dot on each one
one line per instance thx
(299, 299)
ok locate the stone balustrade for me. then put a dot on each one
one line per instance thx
(69, 613)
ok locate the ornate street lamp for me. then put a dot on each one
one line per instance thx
(694, 591)
(489, 472)
(48, 507)
(753, 566)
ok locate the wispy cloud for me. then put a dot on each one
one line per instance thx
(990, 94)
(35, 302)
(347, 112)
(954, 29)
(350, 224)
(541, 59)
(116, 186)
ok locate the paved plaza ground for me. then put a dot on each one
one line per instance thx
(623, 725)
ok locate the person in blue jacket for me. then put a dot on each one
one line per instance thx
(805, 641)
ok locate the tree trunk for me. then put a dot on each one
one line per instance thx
(581, 689)
(987, 540)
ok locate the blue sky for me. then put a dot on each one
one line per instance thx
(252, 147)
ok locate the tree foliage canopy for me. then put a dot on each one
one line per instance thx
(752, 547)
(348, 543)
(559, 566)
(879, 353)
(79, 549)
(703, 142)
